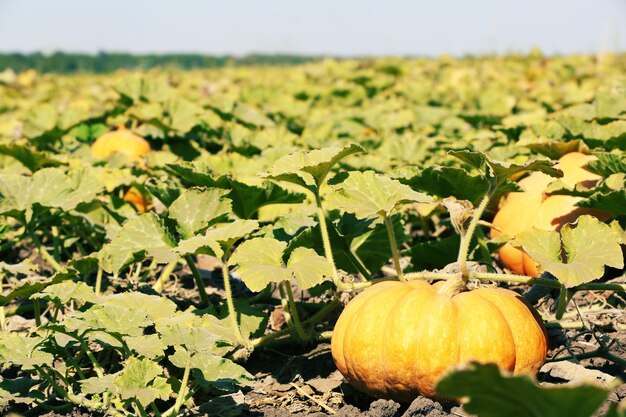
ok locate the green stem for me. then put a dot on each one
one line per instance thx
(293, 311)
(204, 298)
(44, 252)
(180, 399)
(55, 239)
(231, 305)
(3, 318)
(564, 297)
(99, 281)
(394, 247)
(37, 311)
(326, 238)
(165, 276)
(466, 238)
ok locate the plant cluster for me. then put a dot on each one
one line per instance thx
(305, 184)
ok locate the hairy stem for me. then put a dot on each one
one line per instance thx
(293, 311)
(325, 237)
(204, 298)
(231, 305)
(394, 247)
(467, 237)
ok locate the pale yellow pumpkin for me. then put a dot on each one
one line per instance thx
(397, 339)
(123, 141)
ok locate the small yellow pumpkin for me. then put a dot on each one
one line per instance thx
(397, 339)
(123, 141)
(137, 199)
(522, 211)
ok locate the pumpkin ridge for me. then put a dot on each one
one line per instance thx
(384, 351)
(479, 294)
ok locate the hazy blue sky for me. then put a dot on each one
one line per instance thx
(337, 27)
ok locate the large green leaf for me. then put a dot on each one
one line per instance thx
(217, 238)
(23, 350)
(260, 262)
(195, 210)
(444, 181)
(140, 380)
(48, 187)
(367, 194)
(143, 236)
(487, 393)
(310, 168)
(588, 247)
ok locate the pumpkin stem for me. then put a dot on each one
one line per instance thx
(451, 287)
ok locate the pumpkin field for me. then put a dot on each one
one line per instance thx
(389, 237)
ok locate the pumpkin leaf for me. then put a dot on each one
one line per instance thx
(309, 169)
(367, 194)
(444, 181)
(499, 172)
(143, 236)
(140, 379)
(23, 350)
(487, 393)
(588, 247)
(196, 209)
(48, 187)
(218, 237)
(260, 262)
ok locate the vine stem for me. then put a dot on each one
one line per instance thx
(326, 238)
(181, 394)
(44, 252)
(99, 281)
(3, 318)
(231, 305)
(394, 247)
(293, 311)
(469, 233)
(165, 275)
(204, 298)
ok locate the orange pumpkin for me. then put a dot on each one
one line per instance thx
(133, 146)
(522, 211)
(397, 339)
(137, 199)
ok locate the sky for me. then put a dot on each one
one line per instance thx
(316, 27)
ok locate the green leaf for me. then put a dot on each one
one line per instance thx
(367, 194)
(63, 292)
(556, 149)
(31, 159)
(189, 331)
(98, 385)
(446, 181)
(307, 268)
(143, 236)
(434, 254)
(500, 172)
(248, 199)
(612, 201)
(310, 168)
(215, 238)
(588, 248)
(48, 187)
(33, 284)
(487, 393)
(212, 370)
(150, 346)
(134, 381)
(23, 350)
(260, 262)
(154, 306)
(108, 318)
(607, 164)
(196, 209)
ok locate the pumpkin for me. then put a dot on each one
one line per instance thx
(397, 339)
(137, 199)
(133, 146)
(522, 211)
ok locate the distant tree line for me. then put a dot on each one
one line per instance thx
(60, 62)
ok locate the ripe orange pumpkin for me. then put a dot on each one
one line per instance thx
(522, 211)
(137, 199)
(133, 146)
(397, 339)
